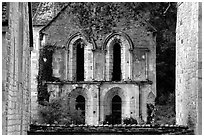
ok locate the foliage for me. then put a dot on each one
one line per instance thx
(45, 72)
(165, 23)
(130, 121)
(150, 113)
(77, 118)
(165, 114)
(98, 18)
(110, 119)
(57, 111)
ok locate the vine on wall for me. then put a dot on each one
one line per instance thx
(99, 18)
(45, 72)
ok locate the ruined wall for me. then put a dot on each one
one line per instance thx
(138, 65)
(16, 71)
(98, 99)
(189, 65)
(34, 70)
(143, 56)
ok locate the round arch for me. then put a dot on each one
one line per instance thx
(126, 46)
(107, 101)
(72, 53)
(120, 34)
(80, 94)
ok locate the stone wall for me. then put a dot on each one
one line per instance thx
(16, 71)
(98, 98)
(137, 85)
(189, 65)
(34, 70)
(62, 32)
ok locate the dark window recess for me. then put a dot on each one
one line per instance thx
(80, 63)
(116, 109)
(116, 75)
(80, 104)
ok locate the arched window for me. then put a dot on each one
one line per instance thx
(118, 57)
(116, 109)
(116, 74)
(80, 62)
(80, 58)
(80, 104)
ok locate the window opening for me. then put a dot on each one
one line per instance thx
(116, 75)
(80, 62)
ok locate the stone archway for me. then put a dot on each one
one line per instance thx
(80, 101)
(110, 99)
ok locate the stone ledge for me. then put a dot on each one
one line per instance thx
(101, 82)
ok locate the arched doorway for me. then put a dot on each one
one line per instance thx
(80, 62)
(80, 104)
(116, 75)
(116, 109)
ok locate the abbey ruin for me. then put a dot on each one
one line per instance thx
(86, 68)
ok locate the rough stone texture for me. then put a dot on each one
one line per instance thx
(99, 96)
(44, 13)
(189, 65)
(34, 70)
(16, 71)
(138, 66)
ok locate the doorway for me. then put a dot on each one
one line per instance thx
(80, 104)
(116, 109)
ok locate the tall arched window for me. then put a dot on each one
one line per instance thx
(116, 74)
(118, 57)
(80, 62)
(79, 53)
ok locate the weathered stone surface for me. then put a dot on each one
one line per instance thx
(16, 71)
(188, 68)
(138, 64)
(34, 70)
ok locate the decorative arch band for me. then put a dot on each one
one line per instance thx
(104, 46)
(80, 36)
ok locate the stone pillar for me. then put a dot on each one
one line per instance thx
(17, 88)
(188, 66)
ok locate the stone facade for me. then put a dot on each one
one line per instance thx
(16, 70)
(44, 13)
(189, 65)
(136, 85)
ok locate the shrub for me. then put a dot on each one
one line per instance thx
(110, 119)
(130, 121)
(77, 117)
(57, 111)
(54, 112)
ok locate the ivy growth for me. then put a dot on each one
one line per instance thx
(45, 72)
(99, 18)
